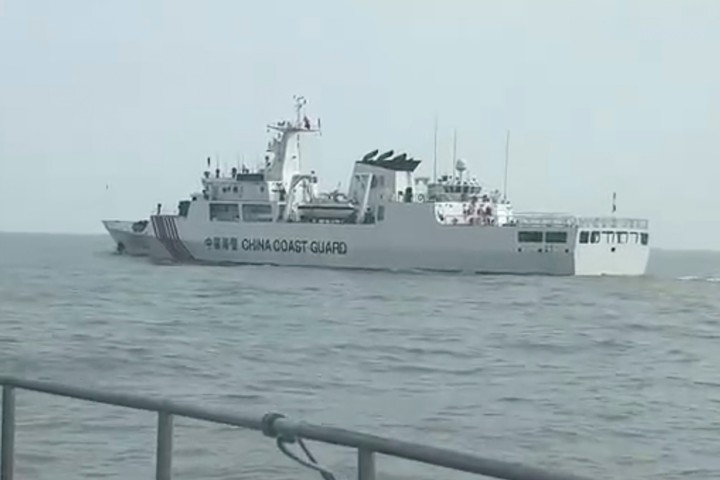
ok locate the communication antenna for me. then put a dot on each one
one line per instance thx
(435, 150)
(507, 160)
(454, 153)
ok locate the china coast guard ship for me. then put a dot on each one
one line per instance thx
(388, 219)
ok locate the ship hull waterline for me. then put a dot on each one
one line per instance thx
(481, 250)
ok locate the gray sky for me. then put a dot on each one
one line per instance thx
(599, 96)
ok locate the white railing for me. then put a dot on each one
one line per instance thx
(544, 219)
(613, 222)
(283, 430)
(566, 220)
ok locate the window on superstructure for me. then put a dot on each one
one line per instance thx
(634, 237)
(257, 212)
(644, 238)
(556, 237)
(595, 237)
(224, 212)
(183, 208)
(622, 237)
(530, 237)
(609, 236)
(584, 237)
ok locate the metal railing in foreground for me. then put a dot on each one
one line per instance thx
(284, 431)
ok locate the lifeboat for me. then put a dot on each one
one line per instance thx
(333, 207)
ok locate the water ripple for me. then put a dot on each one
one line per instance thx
(613, 378)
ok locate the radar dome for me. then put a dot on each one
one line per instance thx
(460, 165)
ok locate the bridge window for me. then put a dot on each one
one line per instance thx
(622, 237)
(530, 237)
(224, 212)
(595, 237)
(257, 212)
(183, 208)
(556, 237)
(584, 237)
(644, 238)
(634, 237)
(609, 236)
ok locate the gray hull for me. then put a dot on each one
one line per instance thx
(413, 240)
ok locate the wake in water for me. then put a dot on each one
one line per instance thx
(695, 278)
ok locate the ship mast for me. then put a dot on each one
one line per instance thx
(300, 102)
(507, 158)
(435, 150)
(454, 153)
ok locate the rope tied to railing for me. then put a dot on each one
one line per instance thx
(267, 424)
(269, 430)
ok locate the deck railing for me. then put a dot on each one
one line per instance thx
(276, 426)
(613, 222)
(530, 219)
(565, 220)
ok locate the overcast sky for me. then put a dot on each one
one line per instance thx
(109, 107)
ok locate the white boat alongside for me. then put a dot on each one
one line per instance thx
(131, 238)
(388, 219)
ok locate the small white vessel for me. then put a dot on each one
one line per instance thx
(388, 219)
(131, 238)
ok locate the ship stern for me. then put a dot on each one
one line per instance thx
(612, 246)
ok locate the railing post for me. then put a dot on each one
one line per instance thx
(163, 462)
(366, 464)
(7, 457)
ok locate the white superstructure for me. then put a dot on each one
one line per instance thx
(388, 219)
